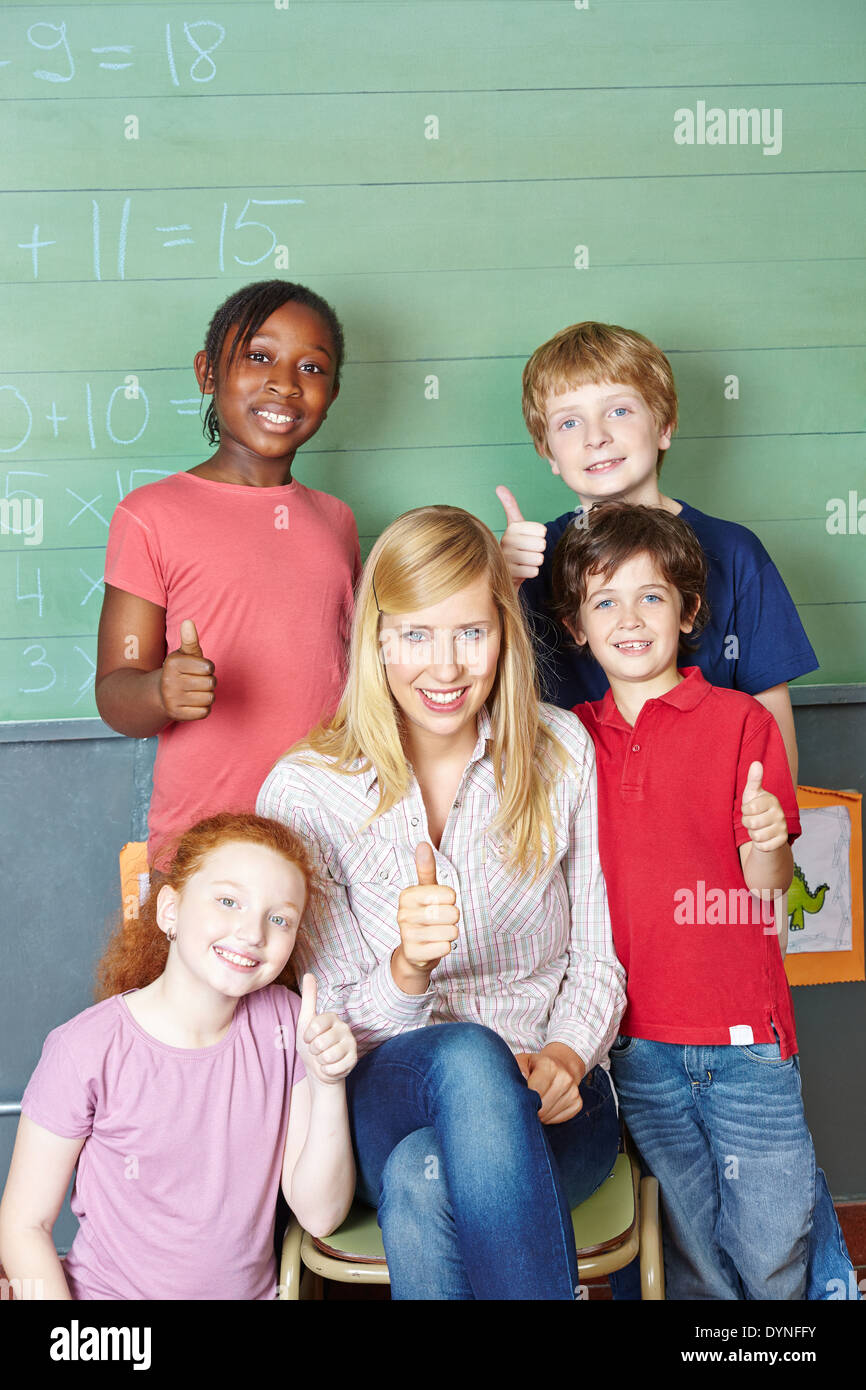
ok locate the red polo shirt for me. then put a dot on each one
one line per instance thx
(703, 964)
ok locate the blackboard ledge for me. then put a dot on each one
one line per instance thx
(51, 730)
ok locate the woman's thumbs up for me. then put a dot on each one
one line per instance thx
(427, 915)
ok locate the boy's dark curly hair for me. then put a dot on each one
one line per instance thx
(600, 540)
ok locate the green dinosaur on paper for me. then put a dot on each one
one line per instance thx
(801, 899)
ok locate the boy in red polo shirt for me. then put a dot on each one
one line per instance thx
(696, 814)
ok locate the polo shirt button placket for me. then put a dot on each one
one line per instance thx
(632, 775)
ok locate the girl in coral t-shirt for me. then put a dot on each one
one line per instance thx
(229, 588)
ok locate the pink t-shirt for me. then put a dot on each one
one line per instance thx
(176, 1185)
(267, 575)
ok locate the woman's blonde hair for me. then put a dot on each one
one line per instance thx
(422, 558)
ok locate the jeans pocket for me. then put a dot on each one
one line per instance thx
(768, 1054)
(622, 1046)
(594, 1091)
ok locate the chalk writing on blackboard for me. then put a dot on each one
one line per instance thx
(203, 36)
(232, 238)
(111, 414)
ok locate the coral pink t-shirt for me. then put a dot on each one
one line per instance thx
(176, 1185)
(267, 575)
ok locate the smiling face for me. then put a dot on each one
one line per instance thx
(603, 441)
(632, 620)
(275, 394)
(441, 663)
(235, 920)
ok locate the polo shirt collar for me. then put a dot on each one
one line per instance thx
(685, 696)
(485, 734)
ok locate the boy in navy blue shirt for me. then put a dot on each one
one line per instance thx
(601, 406)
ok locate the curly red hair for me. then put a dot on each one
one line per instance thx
(137, 950)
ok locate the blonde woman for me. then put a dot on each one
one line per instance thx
(464, 933)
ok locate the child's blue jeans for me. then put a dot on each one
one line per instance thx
(473, 1192)
(723, 1130)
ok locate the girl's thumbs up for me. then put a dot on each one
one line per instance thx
(323, 1040)
(425, 863)
(189, 643)
(187, 682)
(309, 999)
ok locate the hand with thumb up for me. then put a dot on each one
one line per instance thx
(326, 1044)
(523, 542)
(427, 916)
(187, 682)
(762, 812)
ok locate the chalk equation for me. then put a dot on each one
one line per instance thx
(69, 56)
(76, 415)
(233, 235)
(62, 666)
(52, 596)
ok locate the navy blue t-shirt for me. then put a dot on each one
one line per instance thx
(753, 640)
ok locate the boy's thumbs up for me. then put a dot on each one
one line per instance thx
(425, 863)
(762, 814)
(753, 786)
(189, 643)
(509, 504)
(523, 542)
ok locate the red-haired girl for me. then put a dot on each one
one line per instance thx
(190, 1093)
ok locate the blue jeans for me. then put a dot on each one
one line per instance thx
(473, 1192)
(746, 1212)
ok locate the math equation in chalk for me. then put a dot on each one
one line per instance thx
(104, 239)
(74, 417)
(59, 54)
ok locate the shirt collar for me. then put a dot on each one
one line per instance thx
(485, 733)
(685, 696)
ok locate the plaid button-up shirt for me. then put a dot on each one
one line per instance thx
(534, 961)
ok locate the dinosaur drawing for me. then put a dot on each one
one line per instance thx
(801, 899)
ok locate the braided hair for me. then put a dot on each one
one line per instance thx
(245, 311)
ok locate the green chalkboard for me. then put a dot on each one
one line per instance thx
(460, 178)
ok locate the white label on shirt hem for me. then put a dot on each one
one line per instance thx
(741, 1035)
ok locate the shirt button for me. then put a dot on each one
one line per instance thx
(635, 748)
(416, 820)
(383, 875)
(457, 804)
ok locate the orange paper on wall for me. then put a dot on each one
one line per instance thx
(829, 881)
